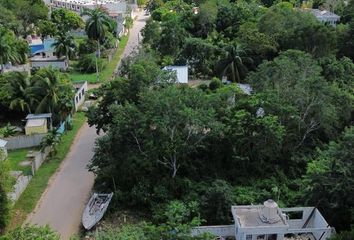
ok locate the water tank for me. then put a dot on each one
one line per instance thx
(269, 212)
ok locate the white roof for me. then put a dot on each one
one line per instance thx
(246, 88)
(181, 72)
(36, 122)
(2, 143)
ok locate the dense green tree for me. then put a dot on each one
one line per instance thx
(292, 88)
(66, 20)
(259, 45)
(151, 33)
(96, 28)
(345, 235)
(217, 202)
(317, 39)
(46, 28)
(87, 63)
(233, 62)
(329, 181)
(200, 55)
(172, 37)
(64, 45)
(8, 20)
(19, 82)
(345, 43)
(8, 51)
(47, 88)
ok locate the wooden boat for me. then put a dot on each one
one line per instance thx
(95, 209)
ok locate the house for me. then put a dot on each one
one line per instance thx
(111, 6)
(43, 54)
(269, 222)
(3, 149)
(181, 72)
(80, 90)
(325, 16)
(38, 123)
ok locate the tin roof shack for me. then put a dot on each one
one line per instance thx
(269, 222)
(181, 72)
(3, 149)
(38, 123)
(325, 16)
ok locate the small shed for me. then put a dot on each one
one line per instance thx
(181, 72)
(3, 149)
(38, 123)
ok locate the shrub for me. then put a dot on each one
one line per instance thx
(5, 185)
(215, 84)
(7, 131)
(87, 63)
(31, 232)
(216, 203)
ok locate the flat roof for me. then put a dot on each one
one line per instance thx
(36, 116)
(249, 217)
(36, 122)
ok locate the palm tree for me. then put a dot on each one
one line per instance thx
(8, 52)
(64, 45)
(19, 83)
(233, 61)
(45, 90)
(95, 27)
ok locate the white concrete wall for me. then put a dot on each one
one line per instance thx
(24, 141)
(79, 98)
(19, 187)
(42, 64)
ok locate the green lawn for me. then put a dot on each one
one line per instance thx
(17, 156)
(106, 73)
(29, 198)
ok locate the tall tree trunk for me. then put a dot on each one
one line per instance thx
(97, 56)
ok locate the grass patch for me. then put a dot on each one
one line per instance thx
(29, 198)
(17, 156)
(107, 72)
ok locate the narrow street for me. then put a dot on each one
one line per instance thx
(62, 203)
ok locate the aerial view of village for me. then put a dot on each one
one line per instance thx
(176, 119)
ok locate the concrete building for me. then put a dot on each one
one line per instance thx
(181, 72)
(38, 123)
(3, 149)
(80, 90)
(325, 16)
(43, 54)
(269, 222)
(113, 7)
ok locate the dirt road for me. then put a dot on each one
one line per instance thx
(62, 204)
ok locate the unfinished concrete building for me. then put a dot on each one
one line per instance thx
(269, 222)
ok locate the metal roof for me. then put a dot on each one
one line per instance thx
(36, 122)
(38, 116)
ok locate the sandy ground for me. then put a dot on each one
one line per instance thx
(62, 204)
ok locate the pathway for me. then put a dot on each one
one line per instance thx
(62, 203)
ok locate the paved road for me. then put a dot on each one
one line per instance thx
(135, 35)
(62, 204)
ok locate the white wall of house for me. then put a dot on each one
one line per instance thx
(63, 65)
(79, 98)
